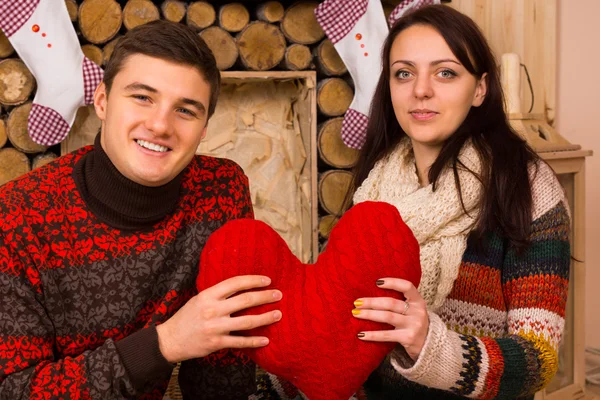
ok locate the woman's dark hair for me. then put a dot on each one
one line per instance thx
(506, 201)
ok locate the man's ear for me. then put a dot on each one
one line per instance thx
(480, 91)
(100, 100)
(203, 135)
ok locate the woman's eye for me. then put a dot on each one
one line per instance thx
(447, 74)
(403, 74)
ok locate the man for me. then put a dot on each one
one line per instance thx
(99, 250)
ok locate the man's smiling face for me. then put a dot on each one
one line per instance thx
(153, 118)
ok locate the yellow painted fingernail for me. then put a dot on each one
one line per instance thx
(358, 303)
(355, 312)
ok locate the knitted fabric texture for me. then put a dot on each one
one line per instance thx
(315, 346)
(497, 334)
(79, 299)
(436, 218)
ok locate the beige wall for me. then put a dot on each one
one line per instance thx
(578, 120)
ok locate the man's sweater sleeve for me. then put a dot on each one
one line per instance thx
(29, 365)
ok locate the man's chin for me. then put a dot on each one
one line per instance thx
(151, 180)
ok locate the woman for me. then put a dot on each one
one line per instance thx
(489, 215)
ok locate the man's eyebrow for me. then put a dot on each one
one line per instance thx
(140, 86)
(193, 103)
(436, 62)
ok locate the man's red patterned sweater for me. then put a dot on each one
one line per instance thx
(90, 262)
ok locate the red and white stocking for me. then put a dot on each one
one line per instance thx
(43, 36)
(407, 5)
(357, 30)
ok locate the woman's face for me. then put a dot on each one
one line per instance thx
(431, 90)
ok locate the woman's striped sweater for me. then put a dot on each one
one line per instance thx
(498, 332)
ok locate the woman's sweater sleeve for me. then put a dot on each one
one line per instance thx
(534, 285)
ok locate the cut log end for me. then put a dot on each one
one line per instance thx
(233, 17)
(326, 224)
(72, 9)
(16, 82)
(42, 159)
(333, 188)
(271, 12)
(100, 20)
(261, 46)
(223, 46)
(13, 164)
(6, 48)
(139, 12)
(334, 96)
(3, 137)
(200, 15)
(173, 10)
(108, 50)
(297, 57)
(16, 130)
(300, 25)
(328, 60)
(332, 149)
(93, 52)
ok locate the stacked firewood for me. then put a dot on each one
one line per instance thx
(254, 36)
(18, 153)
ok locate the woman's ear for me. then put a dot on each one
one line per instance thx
(480, 91)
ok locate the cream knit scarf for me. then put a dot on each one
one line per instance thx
(437, 219)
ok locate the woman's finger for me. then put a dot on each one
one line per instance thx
(382, 304)
(400, 285)
(379, 336)
(386, 317)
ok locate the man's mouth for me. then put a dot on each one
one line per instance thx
(152, 146)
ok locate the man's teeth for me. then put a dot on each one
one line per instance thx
(152, 146)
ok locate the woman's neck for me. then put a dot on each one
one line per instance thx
(425, 156)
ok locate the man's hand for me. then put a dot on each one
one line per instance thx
(203, 325)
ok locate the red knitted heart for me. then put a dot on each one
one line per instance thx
(314, 346)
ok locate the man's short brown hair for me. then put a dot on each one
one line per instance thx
(171, 42)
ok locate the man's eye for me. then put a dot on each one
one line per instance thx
(186, 111)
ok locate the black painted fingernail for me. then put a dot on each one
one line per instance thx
(379, 282)
(360, 334)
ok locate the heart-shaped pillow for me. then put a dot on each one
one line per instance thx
(314, 345)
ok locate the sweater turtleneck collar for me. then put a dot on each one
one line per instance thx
(117, 200)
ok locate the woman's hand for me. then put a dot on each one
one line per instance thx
(409, 317)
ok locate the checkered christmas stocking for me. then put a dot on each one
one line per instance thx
(357, 30)
(43, 36)
(407, 5)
